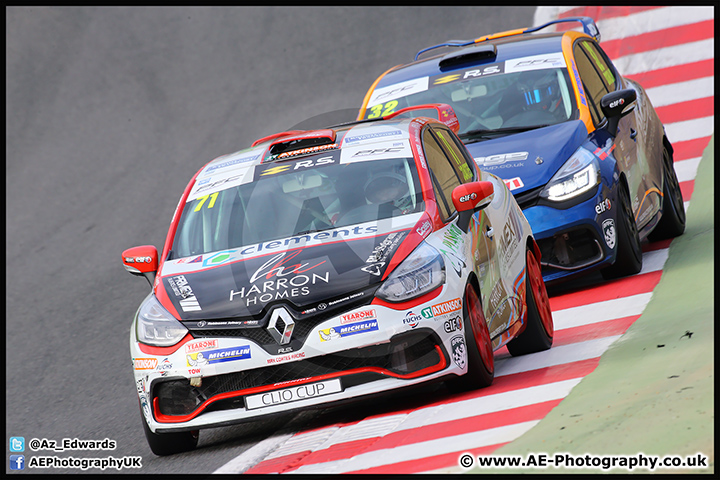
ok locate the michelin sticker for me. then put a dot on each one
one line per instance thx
(340, 331)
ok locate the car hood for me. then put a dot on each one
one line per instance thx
(516, 156)
(318, 271)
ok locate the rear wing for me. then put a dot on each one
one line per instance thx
(588, 24)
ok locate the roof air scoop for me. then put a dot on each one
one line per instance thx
(302, 144)
(473, 54)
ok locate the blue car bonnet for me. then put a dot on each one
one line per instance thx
(517, 155)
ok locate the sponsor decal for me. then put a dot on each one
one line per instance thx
(603, 206)
(398, 90)
(348, 233)
(145, 363)
(459, 354)
(371, 152)
(229, 162)
(497, 295)
(286, 358)
(471, 73)
(412, 319)
(514, 183)
(446, 307)
(217, 183)
(182, 291)
(608, 227)
(368, 314)
(198, 345)
(510, 238)
(346, 330)
(501, 158)
(371, 136)
(280, 280)
(164, 366)
(270, 169)
(384, 248)
(467, 198)
(535, 62)
(452, 240)
(298, 152)
(138, 259)
(578, 83)
(292, 394)
(221, 355)
(423, 229)
(380, 254)
(453, 324)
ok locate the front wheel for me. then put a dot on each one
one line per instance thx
(480, 356)
(169, 443)
(672, 222)
(628, 259)
(538, 334)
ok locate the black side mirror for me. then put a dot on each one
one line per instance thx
(616, 105)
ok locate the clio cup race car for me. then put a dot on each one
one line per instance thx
(580, 147)
(321, 266)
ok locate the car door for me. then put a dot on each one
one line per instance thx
(599, 77)
(489, 235)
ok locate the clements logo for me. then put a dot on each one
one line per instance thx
(145, 363)
(192, 347)
(358, 316)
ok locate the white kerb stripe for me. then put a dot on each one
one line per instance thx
(666, 57)
(420, 450)
(690, 129)
(687, 169)
(560, 355)
(651, 21)
(600, 311)
(679, 92)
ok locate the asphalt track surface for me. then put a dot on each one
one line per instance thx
(109, 113)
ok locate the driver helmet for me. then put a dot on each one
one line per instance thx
(387, 186)
(540, 90)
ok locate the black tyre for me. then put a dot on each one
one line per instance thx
(169, 443)
(538, 334)
(672, 222)
(628, 260)
(480, 356)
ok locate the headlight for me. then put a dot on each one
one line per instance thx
(155, 326)
(418, 274)
(578, 175)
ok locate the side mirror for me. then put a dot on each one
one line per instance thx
(141, 260)
(469, 198)
(616, 105)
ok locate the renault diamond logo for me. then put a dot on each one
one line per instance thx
(281, 326)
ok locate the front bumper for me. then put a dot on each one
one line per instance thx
(575, 240)
(176, 396)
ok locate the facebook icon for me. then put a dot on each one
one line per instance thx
(17, 462)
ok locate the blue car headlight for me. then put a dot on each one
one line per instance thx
(578, 175)
(421, 272)
(156, 326)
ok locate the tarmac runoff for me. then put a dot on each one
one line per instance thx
(652, 392)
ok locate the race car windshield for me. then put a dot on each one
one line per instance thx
(506, 102)
(287, 202)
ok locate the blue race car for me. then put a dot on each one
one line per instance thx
(580, 147)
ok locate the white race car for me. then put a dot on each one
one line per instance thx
(325, 265)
